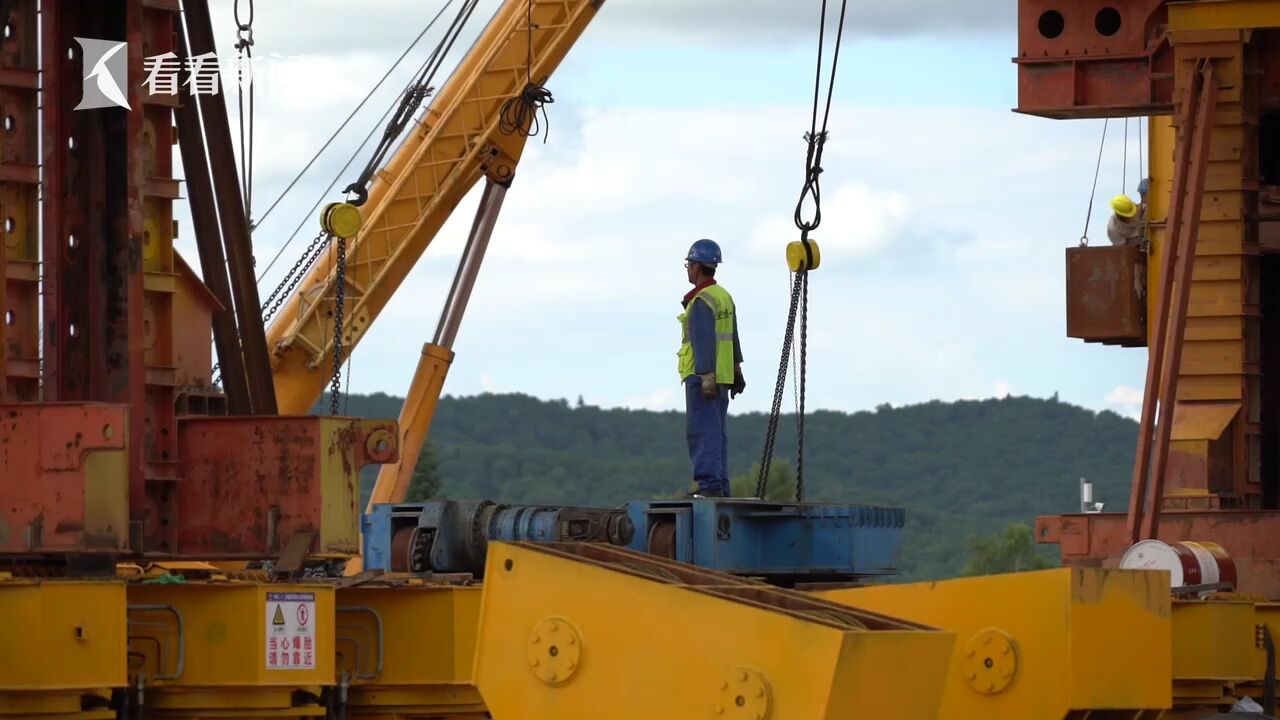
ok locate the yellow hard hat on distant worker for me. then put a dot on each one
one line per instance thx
(1123, 206)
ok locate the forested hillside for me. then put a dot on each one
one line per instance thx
(961, 469)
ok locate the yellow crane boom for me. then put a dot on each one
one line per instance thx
(448, 149)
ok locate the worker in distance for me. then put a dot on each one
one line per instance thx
(1128, 222)
(710, 366)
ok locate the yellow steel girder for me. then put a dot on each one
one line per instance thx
(205, 649)
(579, 631)
(1218, 649)
(1223, 14)
(1040, 645)
(419, 643)
(61, 642)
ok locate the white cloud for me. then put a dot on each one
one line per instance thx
(663, 398)
(857, 221)
(787, 21)
(1001, 389)
(1126, 400)
(936, 292)
(393, 23)
(1022, 290)
(943, 226)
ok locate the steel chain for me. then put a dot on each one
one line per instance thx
(340, 278)
(282, 292)
(804, 364)
(286, 287)
(771, 434)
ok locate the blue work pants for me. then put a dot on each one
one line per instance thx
(708, 440)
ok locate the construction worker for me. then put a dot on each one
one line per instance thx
(1127, 225)
(710, 365)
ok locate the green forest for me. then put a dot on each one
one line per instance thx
(966, 472)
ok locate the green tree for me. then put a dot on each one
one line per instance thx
(425, 482)
(782, 482)
(1010, 550)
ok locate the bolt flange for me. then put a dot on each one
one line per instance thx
(743, 695)
(554, 651)
(990, 661)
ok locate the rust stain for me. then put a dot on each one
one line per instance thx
(344, 441)
(234, 469)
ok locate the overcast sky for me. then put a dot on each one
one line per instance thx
(945, 214)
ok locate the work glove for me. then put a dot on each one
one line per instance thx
(709, 388)
(739, 384)
(1144, 186)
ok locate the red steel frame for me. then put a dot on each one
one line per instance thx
(102, 452)
(1190, 164)
(1118, 58)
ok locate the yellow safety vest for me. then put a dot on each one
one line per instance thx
(721, 304)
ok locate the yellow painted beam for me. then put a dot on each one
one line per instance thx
(595, 631)
(60, 641)
(1223, 14)
(426, 639)
(233, 649)
(1041, 645)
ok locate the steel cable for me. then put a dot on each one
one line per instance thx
(244, 49)
(349, 118)
(815, 140)
(417, 91)
(1088, 216)
(519, 114)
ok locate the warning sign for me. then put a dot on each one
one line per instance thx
(291, 631)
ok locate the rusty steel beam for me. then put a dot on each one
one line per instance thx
(126, 334)
(64, 478)
(65, 373)
(235, 226)
(213, 262)
(1086, 58)
(1189, 231)
(92, 243)
(19, 187)
(1146, 423)
(1250, 537)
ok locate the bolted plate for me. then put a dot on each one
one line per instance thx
(555, 650)
(990, 661)
(744, 695)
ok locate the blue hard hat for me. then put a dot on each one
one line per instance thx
(704, 252)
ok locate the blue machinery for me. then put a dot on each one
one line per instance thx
(783, 542)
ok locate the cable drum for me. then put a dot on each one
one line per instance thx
(1188, 563)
